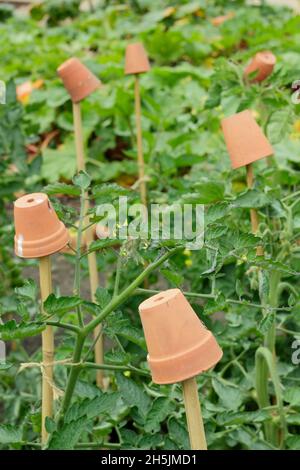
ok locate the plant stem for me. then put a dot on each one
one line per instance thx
(74, 373)
(66, 326)
(78, 255)
(128, 367)
(265, 360)
(115, 302)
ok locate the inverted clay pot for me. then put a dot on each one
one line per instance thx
(263, 64)
(179, 345)
(38, 230)
(244, 139)
(78, 80)
(219, 20)
(136, 60)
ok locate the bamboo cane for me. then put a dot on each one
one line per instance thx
(47, 347)
(194, 415)
(253, 212)
(92, 260)
(141, 163)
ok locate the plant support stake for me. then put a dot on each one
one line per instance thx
(136, 62)
(194, 415)
(47, 347)
(38, 234)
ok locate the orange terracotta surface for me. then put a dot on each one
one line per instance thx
(179, 345)
(38, 230)
(78, 80)
(219, 20)
(244, 139)
(263, 63)
(136, 60)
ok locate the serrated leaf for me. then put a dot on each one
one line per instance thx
(82, 180)
(160, 410)
(251, 199)
(230, 396)
(103, 297)
(266, 323)
(60, 305)
(279, 124)
(11, 330)
(178, 434)
(134, 394)
(106, 403)
(175, 278)
(10, 434)
(28, 290)
(110, 191)
(68, 435)
(62, 188)
(292, 396)
(119, 324)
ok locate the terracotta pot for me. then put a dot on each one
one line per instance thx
(245, 140)
(78, 80)
(179, 345)
(263, 63)
(136, 60)
(219, 20)
(38, 231)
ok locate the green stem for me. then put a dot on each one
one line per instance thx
(66, 326)
(264, 360)
(73, 376)
(125, 294)
(78, 255)
(128, 367)
(273, 302)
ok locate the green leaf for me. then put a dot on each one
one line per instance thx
(68, 435)
(11, 330)
(119, 324)
(266, 322)
(61, 305)
(110, 191)
(28, 290)
(231, 418)
(62, 188)
(60, 162)
(251, 199)
(162, 407)
(292, 396)
(230, 395)
(280, 124)
(10, 434)
(175, 278)
(205, 193)
(178, 433)
(82, 180)
(50, 425)
(106, 403)
(133, 394)
(103, 297)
